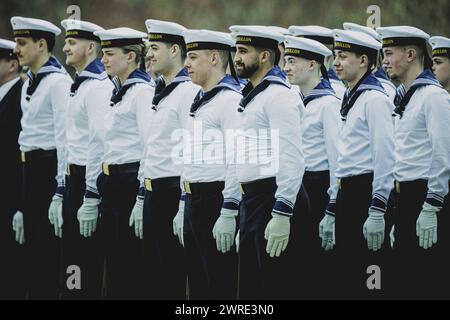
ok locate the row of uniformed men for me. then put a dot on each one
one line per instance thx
(347, 166)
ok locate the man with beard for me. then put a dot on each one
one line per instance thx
(270, 169)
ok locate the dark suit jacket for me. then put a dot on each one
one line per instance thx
(10, 165)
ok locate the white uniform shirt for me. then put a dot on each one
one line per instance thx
(270, 141)
(366, 145)
(85, 125)
(422, 138)
(126, 126)
(320, 124)
(209, 153)
(166, 121)
(43, 121)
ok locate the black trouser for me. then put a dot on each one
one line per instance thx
(321, 265)
(12, 265)
(444, 246)
(353, 203)
(418, 271)
(262, 277)
(163, 253)
(211, 274)
(124, 262)
(78, 250)
(43, 247)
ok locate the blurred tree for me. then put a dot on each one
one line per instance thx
(431, 16)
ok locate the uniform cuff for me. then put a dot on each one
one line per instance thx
(230, 204)
(379, 203)
(283, 207)
(91, 195)
(435, 200)
(331, 208)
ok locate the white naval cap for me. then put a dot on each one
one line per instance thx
(165, 31)
(207, 40)
(357, 27)
(402, 36)
(7, 44)
(355, 41)
(29, 27)
(80, 29)
(257, 36)
(306, 48)
(318, 33)
(440, 46)
(280, 30)
(120, 37)
(7, 48)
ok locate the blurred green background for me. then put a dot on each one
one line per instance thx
(431, 16)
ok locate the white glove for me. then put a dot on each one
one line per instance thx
(87, 216)
(18, 227)
(327, 232)
(55, 215)
(136, 218)
(238, 240)
(426, 226)
(277, 234)
(178, 223)
(374, 229)
(392, 236)
(225, 229)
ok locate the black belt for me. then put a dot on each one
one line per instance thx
(76, 170)
(162, 183)
(421, 183)
(363, 178)
(316, 174)
(37, 154)
(128, 168)
(259, 186)
(199, 187)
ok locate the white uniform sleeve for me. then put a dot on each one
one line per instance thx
(330, 119)
(232, 192)
(437, 117)
(381, 134)
(283, 113)
(143, 113)
(59, 97)
(97, 104)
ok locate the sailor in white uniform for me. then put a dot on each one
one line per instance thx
(305, 67)
(88, 103)
(441, 60)
(378, 71)
(324, 36)
(42, 143)
(422, 162)
(155, 212)
(212, 191)
(364, 166)
(126, 131)
(270, 167)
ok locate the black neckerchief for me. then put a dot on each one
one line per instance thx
(351, 96)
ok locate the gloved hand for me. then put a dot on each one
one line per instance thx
(136, 218)
(225, 229)
(327, 232)
(277, 234)
(238, 240)
(178, 223)
(18, 227)
(426, 226)
(55, 215)
(87, 216)
(392, 236)
(374, 229)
